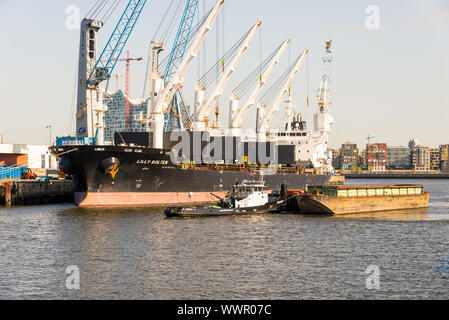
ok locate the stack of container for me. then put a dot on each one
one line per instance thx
(13, 172)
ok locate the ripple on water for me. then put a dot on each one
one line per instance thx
(140, 254)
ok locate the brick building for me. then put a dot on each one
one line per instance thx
(376, 156)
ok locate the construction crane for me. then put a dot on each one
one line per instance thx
(127, 91)
(263, 120)
(92, 71)
(177, 105)
(164, 94)
(202, 105)
(368, 139)
(237, 115)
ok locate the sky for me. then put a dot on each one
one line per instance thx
(390, 82)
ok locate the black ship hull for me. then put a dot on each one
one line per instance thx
(136, 176)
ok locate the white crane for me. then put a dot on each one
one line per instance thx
(237, 115)
(263, 121)
(164, 95)
(203, 106)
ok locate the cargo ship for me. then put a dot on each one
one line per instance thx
(138, 176)
(136, 171)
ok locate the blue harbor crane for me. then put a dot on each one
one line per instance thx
(113, 49)
(178, 115)
(93, 70)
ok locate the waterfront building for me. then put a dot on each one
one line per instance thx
(115, 117)
(335, 158)
(434, 158)
(376, 156)
(362, 158)
(444, 158)
(398, 158)
(349, 156)
(420, 158)
(31, 156)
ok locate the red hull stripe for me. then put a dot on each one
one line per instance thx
(144, 199)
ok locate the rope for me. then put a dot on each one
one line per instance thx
(268, 96)
(90, 10)
(117, 2)
(169, 27)
(193, 33)
(307, 80)
(156, 33)
(209, 76)
(253, 77)
(99, 9)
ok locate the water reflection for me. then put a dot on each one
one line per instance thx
(403, 215)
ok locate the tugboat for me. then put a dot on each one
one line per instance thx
(247, 198)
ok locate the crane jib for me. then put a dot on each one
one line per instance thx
(114, 47)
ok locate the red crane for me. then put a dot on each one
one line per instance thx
(127, 105)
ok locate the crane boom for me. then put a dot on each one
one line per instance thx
(265, 121)
(176, 56)
(165, 95)
(178, 77)
(182, 39)
(237, 120)
(204, 110)
(113, 49)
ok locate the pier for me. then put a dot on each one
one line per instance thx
(32, 192)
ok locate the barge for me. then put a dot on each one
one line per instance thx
(338, 200)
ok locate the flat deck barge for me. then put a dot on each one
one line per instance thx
(337, 200)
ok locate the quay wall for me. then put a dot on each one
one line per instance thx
(27, 192)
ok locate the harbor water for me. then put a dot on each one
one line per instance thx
(141, 254)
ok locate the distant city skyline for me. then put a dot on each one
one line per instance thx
(389, 80)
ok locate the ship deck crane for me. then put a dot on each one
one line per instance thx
(237, 115)
(323, 92)
(263, 121)
(165, 95)
(202, 112)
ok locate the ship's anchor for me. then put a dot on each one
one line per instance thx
(110, 166)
